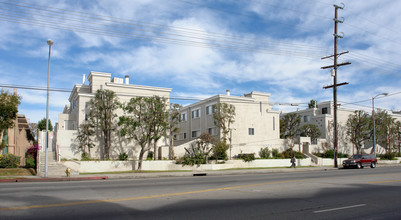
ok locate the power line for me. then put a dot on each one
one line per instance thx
(187, 98)
(162, 34)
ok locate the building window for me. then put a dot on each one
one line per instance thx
(196, 113)
(185, 136)
(211, 109)
(195, 134)
(306, 118)
(175, 137)
(183, 116)
(251, 131)
(212, 131)
(86, 110)
(324, 111)
(274, 123)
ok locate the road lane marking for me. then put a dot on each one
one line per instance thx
(385, 181)
(145, 197)
(340, 208)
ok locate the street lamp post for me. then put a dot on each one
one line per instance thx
(50, 43)
(373, 117)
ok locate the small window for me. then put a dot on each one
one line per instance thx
(274, 123)
(324, 111)
(211, 109)
(185, 135)
(251, 131)
(175, 137)
(195, 134)
(196, 113)
(183, 116)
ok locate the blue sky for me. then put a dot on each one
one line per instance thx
(201, 48)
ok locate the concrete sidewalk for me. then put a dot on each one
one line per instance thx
(145, 174)
(142, 175)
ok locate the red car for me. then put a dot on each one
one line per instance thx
(360, 160)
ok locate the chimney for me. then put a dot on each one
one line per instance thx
(126, 80)
(228, 92)
(83, 79)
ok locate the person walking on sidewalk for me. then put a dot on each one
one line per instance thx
(292, 161)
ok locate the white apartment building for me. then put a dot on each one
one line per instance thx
(256, 124)
(322, 117)
(76, 112)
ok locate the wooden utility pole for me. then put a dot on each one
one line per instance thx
(335, 84)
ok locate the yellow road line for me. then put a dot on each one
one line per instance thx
(385, 181)
(143, 197)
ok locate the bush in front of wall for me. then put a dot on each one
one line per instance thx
(123, 156)
(9, 161)
(264, 153)
(30, 156)
(247, 157)
(30, 162)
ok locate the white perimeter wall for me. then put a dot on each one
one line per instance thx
(163, 165)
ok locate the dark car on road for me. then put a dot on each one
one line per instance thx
(360, 161)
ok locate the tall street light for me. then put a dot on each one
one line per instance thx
(50, 43)
(373, 116)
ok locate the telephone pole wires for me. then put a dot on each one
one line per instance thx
(334, 74)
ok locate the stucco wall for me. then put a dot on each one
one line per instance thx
(163, 165)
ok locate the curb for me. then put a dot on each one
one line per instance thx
(54, 179)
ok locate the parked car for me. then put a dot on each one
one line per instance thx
(360, 160)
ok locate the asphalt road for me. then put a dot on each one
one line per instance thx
(332, 194)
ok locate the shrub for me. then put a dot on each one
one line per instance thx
(247, 157)
(123, 156)
(150, 155)
(30, 156)
(264, 153)
(388, 156)
(84, 157)
(9, 161)
(30, 162)
(289, 153)
(220, 151)
(329, 154)
(342, 155)
(275, 153)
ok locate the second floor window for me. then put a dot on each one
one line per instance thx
(251, 131)
(196, 113)
(183, 116)
(211, 109)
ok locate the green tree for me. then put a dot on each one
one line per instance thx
(140, 123)
(8, 110)
(310, 130)
(220, 150)
(42, 125)
(160, 122)
(312, 104)
(397, 131)
(174, 119)
(84, 138)
(289, 126)
(359, 129)
(385, 130)
(224, 115)
(102, 115)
